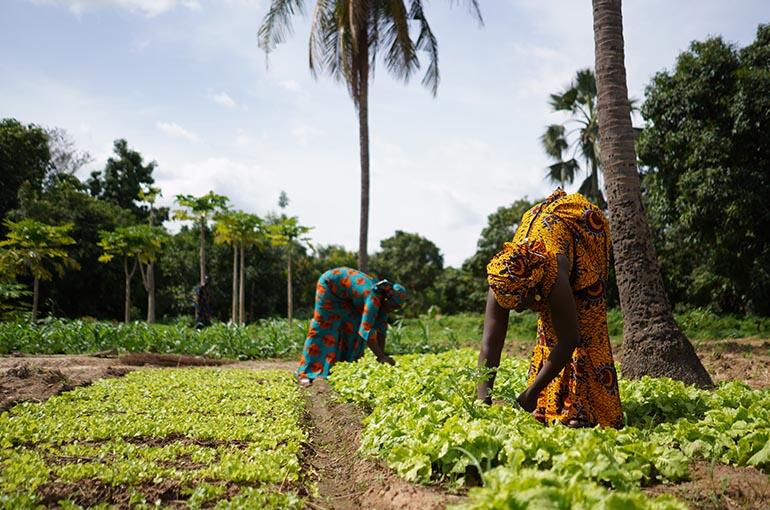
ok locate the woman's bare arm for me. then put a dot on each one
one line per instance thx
(492, 340)
(565, 323)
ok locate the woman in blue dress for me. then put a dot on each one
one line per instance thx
(351, 312)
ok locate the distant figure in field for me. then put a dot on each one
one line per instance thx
(557, 265)
(351, 312)
(202, 303)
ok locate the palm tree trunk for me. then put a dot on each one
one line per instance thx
(242, 292)
(653, 344)
(202, 251)
(35, 297)
(234, 314)
(289, 300)
(151, 293)
(363, 136)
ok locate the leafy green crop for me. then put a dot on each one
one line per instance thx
(427, 425)
(268, 338)
(214, 436)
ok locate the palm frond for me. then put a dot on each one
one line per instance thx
(426, 41)
(554, 141)
(318, 36)
(276, 25)
(473, 8)
(564, 101)
(563, 171)
(400, 55)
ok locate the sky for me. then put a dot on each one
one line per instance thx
(184, 82)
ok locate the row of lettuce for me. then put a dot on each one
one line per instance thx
(425, 424)
(204, 437)
(270, 338)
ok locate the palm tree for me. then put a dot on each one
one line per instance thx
(653, 344)
(579, 99)
(345, 38)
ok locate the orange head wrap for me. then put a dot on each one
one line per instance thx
(519, 268)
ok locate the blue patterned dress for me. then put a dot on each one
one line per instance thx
(347, 315)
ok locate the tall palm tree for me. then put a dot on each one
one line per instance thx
(653, 344)
(579, 99)
(345, 38)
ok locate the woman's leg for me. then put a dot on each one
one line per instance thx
(314, 354)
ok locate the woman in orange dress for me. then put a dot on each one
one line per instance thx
(557, 265)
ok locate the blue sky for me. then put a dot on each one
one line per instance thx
(185, 83)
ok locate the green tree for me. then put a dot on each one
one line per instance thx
(578, 137)
(239, 230)
(24, 158)
(139, 245)
(66, 158)
(653, 344)
(95, 290)
(411, 260)
(345, 39)
(287, 232)
(331, 256)
(200, 210)
(149, 195)
(708, 174)
(501, 225)
(36, 248)
(122, 179)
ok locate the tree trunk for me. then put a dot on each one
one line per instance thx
(242, 292)
(202, 252)
(151, 293)
(290, 302)
(35, 298)
(234, 314)
(363, 135)
(653, 344)
(129, 276)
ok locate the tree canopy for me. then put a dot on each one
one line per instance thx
(708, 174)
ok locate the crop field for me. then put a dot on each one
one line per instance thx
(205, 437)
(425, 424)
(244, 435)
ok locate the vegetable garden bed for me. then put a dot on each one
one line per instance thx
(199, 437)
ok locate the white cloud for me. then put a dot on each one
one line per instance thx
(149, 8)
(291, 85)
(249, 186)
(304, 133)
(176, 131)
(222, 98)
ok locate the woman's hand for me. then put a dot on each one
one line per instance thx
(386, 359)
(527, 400)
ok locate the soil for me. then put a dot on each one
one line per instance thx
(719, 487)
(743, 359)
(346, 481)
(37, 378)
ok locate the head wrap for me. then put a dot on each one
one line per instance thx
(392, 291)
(519, 268)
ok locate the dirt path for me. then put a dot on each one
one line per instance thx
(345, 480)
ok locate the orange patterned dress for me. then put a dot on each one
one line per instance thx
(586, 391)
